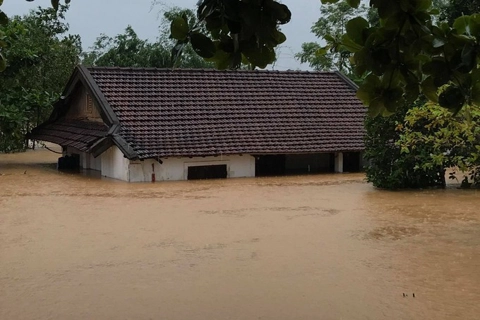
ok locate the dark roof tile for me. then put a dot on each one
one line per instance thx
(166, 112)
(79, 134)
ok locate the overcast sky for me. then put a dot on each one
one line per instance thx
(89, 18)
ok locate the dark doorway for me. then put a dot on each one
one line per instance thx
(351, 162)
(270, 165)
(309, 163)
(294, 164)
(207, 172)
(71, 162)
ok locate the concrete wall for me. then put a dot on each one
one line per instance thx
(114, 164)
(111, 163)
(177, 168)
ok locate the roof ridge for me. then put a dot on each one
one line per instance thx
(113, 68)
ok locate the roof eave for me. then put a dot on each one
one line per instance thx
(349, 81)
(108, 115)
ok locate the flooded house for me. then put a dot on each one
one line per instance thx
(139, 124)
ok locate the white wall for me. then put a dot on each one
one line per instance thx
(114, 164)
(95, 163)
(177, 168)
(339, 162)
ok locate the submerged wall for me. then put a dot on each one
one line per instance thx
(114, 164)
(173, 169)
(87, 161)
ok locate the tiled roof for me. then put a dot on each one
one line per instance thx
(78, 134)
(164, 112)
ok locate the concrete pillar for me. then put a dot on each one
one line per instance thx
(85, 160)
(339, 162)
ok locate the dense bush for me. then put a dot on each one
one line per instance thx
(388, 167)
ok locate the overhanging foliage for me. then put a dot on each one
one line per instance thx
(408, 54)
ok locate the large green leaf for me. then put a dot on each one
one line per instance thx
(364, 95)
(259, 57)
(393, 99)
(476, 94)
(3, 18)
(439, 70)
(422, 5)
(350, 45)
(376, 107)
(3, 63)
(223, 60)
(386, 9)
(179, 28)
(279, 37)
(368, 89)
(461, 24)
(55, 4)
(281, 12)
(353, 3)
(412, 90)
(475, 25)
(468, 59)
(452, 98)
(429, 89)
(202, 45)
(355, 28)
(475, 76)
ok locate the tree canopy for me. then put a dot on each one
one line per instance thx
(413, 147)
(331, 24)
(128, 50)
(409, 54)
(40, 56)
(3, 37)
(452, 9)
(233, 32)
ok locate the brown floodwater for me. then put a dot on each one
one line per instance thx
(299, 247)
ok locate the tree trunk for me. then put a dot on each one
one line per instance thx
(442, 177)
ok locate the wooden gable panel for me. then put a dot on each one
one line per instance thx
(83, 106)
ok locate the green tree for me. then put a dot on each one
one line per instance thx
(331, 24)
(404, 151)
(390, 168)
(409, 54)
(450, 10)
(128, 50)
(433, 139)
(237, 32)
(3, 37)
(41, 56)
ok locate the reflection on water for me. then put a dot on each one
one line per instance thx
(312, 247)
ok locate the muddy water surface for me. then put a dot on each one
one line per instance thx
(310, 247)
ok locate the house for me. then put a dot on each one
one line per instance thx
(137, 124)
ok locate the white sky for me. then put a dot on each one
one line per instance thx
(90, 18)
